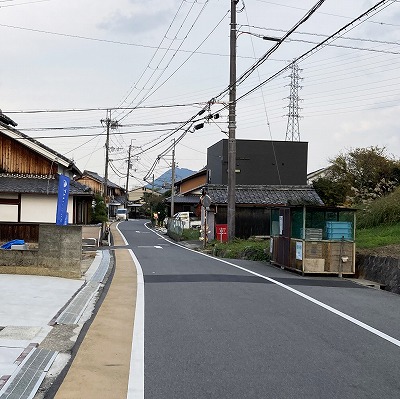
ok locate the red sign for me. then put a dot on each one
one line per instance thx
(221, 232)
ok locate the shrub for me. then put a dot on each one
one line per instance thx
(242, 249)
(382, 211)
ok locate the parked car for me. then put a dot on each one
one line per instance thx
(189, 219)
(122, 214)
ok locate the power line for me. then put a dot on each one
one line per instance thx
(331, 44)
(38, 111)
(322, 35)
(324, 13)
(375, 9)
(158, 48)
(22, 4)
(177, 69)
(262, 59)
(92, 135)
(40, 129)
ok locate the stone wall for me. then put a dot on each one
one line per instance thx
(382, 270)
(59, 254)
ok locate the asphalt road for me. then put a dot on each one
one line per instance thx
(213, 330)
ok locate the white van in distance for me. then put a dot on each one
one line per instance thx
(122, 214)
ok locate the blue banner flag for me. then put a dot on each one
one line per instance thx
(62, 202)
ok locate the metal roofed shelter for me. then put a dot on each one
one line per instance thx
(313, 239)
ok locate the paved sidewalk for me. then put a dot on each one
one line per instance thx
(40, 319)
(101, 367)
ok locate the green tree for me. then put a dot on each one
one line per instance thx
(155, 204)
(99, 210)
(362, 175)
(331, 192)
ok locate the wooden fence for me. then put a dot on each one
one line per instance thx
(29, 232)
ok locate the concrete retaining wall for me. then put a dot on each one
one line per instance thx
(59, 254)
(383, 270)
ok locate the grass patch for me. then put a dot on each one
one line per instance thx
(381, 212)
(242, 249)
(190, 234)
(379, 236)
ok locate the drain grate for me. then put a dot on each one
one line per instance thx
(101, 271)
(30, 376)
(75, 309)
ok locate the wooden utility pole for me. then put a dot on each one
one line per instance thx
(127, 175)
(107, 122)
(110, 124)
(232, 128)
(173, 182)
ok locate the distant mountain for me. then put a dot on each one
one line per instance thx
(163, 182)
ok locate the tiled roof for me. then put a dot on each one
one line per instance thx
(118, 200)
(5, 119)
(266, 195)
(38, 185)
(185, 199)
(100, 179)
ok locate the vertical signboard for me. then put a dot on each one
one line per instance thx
(221, 231)
(62, 202)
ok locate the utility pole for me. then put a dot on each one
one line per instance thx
(110, 124)
(152, 199)
(127, 175)
(232, 128)
(173, 182)
(107, 122)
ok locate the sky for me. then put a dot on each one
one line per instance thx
(155, 64)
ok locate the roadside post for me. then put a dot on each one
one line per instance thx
(205, 202)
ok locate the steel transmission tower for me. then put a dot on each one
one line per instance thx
(292, 129)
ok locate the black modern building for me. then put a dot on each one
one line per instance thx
(260, 162)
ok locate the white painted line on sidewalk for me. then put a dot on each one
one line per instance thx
(359, 323)
(136, 371)
(119, 231)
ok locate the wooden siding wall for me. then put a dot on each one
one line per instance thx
(193, 183)
(96, 186)
(19, 231)
(15, 158)
(249, 221)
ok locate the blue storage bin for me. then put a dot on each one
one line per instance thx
(337, 230)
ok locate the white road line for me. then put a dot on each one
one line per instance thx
(136, 370)
(126, 242)
(359, 323)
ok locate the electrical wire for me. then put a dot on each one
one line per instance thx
(39, 111)
(322, 35)
(334, 36)
(22, 4)
(263, 58)
(153, 56)
(324, 13)
(149, 92)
